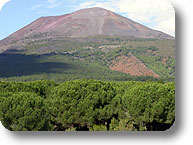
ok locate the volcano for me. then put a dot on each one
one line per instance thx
(87, 22)
(92, 43)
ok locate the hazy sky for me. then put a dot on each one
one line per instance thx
(156, 14)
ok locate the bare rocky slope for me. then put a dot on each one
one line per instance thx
(86, 22)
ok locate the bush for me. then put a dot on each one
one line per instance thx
(24, 112)
(84, 105)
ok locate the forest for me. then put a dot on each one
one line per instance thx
(68, 84)
(87, 105)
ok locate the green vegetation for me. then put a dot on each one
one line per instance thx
(65, 84)
(151, 58)
(58, 67)
(67, 59)
(87, 105)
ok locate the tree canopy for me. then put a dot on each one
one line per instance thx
(87, 105)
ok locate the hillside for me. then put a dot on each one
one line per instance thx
(84, 23)
(91, 43)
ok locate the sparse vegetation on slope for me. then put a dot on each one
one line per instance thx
(90, 58)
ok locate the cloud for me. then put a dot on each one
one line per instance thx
(36, 7)
(48, 4)
(167, 25)
(108, 4)
(2, 3)
(52, 3)
(156, 14)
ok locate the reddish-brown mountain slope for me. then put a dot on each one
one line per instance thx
(131, 65)
(87, 22)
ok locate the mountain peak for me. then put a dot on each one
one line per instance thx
(87, 22)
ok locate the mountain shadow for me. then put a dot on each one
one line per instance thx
(14, 64)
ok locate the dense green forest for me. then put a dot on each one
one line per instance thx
(87, 105)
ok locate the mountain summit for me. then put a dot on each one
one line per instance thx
(87, 22)
(90, 43)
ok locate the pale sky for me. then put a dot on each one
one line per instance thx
(155, 14)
